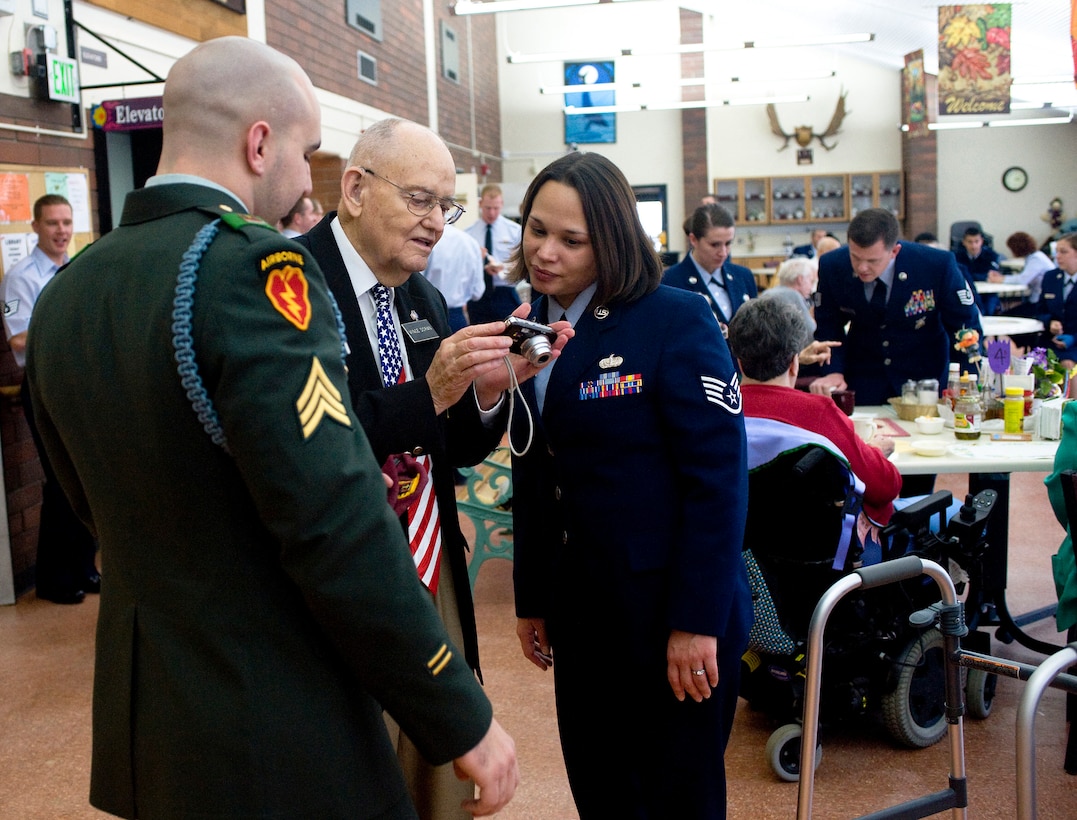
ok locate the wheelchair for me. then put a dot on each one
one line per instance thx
(883, 660)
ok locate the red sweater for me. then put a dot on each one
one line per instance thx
(819, 414)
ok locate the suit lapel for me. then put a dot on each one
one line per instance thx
(363, 367)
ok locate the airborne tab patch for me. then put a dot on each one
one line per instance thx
(320, 398)
(287, 287)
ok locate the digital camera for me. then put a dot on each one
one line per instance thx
(530, 339)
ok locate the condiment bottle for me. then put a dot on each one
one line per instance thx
(953, 384)
(1013, 410)
(967, 414)
(909, 393)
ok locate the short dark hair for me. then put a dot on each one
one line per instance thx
(926, 236)
(297, 209)
(627, 266)
(972, 230)
(706, 217)
(873, 224)
(46, 201)
(765, 335)
(1021, 244)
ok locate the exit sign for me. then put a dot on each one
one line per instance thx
(62, 78)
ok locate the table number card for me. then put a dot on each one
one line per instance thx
(998, 356)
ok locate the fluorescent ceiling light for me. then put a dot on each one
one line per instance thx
(681, 106)
(691, 48)
(763, 78)
(799, 42)
(492, 6)
(583, 87)
(999, 123)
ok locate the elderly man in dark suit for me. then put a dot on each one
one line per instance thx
(896, 308)
(261, 607)
(444, 405)
(707, 269)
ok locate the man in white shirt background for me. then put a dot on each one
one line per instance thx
(498, 236)
(455, 268)
(65, 568)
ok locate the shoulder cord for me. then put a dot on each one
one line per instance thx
(181, 335)
(184, 344)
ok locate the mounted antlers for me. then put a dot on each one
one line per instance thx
(804, 134)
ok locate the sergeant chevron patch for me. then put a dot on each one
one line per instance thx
(319, 399)
(725, 394)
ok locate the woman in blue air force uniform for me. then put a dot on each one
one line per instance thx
(629, 508)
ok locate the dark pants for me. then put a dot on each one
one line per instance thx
(65, 548)
(498, 302)
(457, 319)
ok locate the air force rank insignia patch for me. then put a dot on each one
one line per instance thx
(964, 295)
(320, 398)
(725, 394)
(11, 307)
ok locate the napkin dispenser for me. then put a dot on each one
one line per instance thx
(1049, 419)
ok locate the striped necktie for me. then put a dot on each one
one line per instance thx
(424, 524)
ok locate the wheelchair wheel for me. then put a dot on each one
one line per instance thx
(783, 752)
(914, 711)
(980, 693)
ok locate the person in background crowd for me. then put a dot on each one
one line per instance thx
(812, 248)
(66, 567)
(1057, 308)
(300, 219)
(499, 238)
(707, 269)
(903, 330)
(976, 256)
(261, 606)
(645, 388)
(1037, 263)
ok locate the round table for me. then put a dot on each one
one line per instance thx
(1010, 325)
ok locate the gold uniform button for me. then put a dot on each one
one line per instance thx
(417, 451)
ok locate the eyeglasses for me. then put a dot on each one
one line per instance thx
(421, 203)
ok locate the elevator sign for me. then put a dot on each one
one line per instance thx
(62, 78)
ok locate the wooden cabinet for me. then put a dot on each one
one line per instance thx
(745, 198)
(799, 200)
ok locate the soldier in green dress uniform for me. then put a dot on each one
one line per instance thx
(260, 605)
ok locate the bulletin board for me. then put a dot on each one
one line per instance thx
(20, 186)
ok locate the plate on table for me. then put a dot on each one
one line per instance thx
(925, 447)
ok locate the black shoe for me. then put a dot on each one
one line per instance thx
(92, 584)
(76, 596)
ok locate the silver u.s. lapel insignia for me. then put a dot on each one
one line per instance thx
(602, 312)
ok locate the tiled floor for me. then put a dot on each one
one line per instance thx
(45, 679)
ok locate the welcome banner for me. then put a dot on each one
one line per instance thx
(974, 59)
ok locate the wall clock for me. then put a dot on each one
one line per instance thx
(1014, 179)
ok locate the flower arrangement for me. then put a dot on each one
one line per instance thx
(1048, 373)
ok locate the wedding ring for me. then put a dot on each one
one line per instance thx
(699, 671)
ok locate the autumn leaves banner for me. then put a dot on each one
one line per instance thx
(974, 59)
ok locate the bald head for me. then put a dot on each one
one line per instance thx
(826, 244)
(394, 158)
(234, 109)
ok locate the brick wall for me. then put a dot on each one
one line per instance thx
(22, 470)
(693, 120)
(315, 34)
